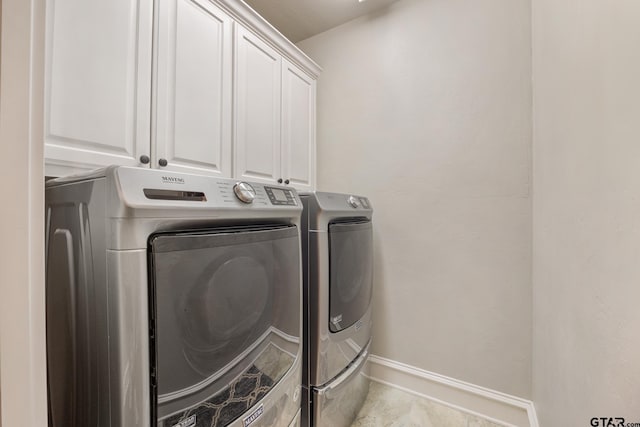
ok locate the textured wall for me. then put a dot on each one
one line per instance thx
(586, 217)
(426, 108)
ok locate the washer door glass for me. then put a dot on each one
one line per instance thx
(350, 272)
(227, 325)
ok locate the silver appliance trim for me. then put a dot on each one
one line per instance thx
(336, 385)
(337, 403)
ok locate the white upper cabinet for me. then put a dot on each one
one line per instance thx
(275, 116)
(195, 86)
(258, 87)
(97, 83)
(194, 104)
(298, 127)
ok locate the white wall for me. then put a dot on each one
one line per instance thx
(426, 108)
(22, 314)
(586, 210)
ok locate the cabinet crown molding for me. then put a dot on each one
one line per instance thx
(244, 14)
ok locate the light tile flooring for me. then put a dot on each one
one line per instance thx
(389, 407)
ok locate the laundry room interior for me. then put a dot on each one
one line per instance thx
(336, 213)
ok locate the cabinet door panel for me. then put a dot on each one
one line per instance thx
(298, 127)
(258, 83)
(97, 82)
(194, 88)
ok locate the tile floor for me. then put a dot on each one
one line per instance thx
(389, 407)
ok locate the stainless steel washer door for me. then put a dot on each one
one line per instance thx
(227, 319)
(350, 272)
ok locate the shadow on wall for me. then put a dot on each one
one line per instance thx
(380, 309)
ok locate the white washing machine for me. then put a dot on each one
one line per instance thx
(173, 300)
(337, 247)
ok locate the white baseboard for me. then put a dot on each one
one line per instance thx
(499, 408)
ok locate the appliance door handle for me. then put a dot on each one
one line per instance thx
(342, 380)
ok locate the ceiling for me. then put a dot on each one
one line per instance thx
(301, 19)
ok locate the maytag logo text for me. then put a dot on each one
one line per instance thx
(253, 417)
(172, 180)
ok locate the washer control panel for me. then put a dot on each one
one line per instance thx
(280, 196)
(140, 188)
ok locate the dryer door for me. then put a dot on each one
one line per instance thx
(227, 319)
(350, 272)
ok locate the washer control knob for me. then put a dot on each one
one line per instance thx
(244, 192)
(354, 202)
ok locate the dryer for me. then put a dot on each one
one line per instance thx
(173, 300)
(337, 247)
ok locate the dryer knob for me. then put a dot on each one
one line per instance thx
(244, 192)
(353, 201)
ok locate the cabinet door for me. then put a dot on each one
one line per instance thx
(298, 127)
(97, 83)
(194, 88)
(257, 109)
